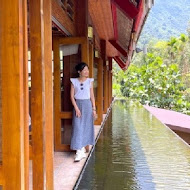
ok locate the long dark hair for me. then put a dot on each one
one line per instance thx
(80, 66)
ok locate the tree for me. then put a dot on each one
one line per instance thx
(155, 84)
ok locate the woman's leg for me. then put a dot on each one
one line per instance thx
(87, 148)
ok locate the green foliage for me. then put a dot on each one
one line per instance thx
(153, 83)
(167, 18)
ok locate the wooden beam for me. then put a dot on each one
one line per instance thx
(111, 90)
(85, 52)
(82, 27)
(77, 40)
(103, 50)
(114, 16)
(71, 40)
(119, 47)
(66, 115)
(41, 93)
(105, 74)
(12, 60)
(124, 66)
(127, 7)
(110, 87)
(65, 148)
(106, 97)
(49, 148)
(26, 95)
(57, 96)
(82, 18)
(110, 79)
(100, 92)
(91, 61)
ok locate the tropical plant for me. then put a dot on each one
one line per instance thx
(154, 83)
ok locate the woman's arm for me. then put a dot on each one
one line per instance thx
(92, 96)
(72, 92)
(93, 100)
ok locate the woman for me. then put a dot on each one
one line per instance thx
(82, 98)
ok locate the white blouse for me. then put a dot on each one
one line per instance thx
(82, 89)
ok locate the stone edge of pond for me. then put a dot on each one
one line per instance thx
(167, 127)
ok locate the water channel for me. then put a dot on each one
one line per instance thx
(136, 151)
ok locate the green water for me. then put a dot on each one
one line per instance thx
(135, 151)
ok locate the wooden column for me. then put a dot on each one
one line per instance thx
(110, 79)
(13, 61)
(111, 95)
(106, 89)
(82, 27)
(48, 95)
(82, 18)
(91, 61)
(41, 93)
(57, 96)
(26, 94)
(105, 75)
(100, 93)
(110, 87)
(85, 52)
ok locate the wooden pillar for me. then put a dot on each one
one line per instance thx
(110, 79)
(13, 62)
(82, 18)
(26, 94)
(105, 75)
(82, 27)
(106, 98)
(108, 87)
(57, 97)
(48, 95)
(100, 93)
(85, 52)
(41, 93)
(91, 60)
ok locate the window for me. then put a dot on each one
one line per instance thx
(68, 7)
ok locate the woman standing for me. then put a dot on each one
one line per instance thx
(82, 98)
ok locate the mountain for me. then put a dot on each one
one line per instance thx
(167, 18)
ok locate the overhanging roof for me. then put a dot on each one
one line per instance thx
(118, 22)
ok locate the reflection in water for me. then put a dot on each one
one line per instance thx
(136, 151)
(118, 161)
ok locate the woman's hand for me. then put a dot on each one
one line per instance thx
(78, 113)
(94, 114)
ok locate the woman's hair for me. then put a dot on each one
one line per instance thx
(80, 66)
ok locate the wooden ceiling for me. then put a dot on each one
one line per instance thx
(102, 18)
(101, 15)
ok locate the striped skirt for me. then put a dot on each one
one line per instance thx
(83, 127)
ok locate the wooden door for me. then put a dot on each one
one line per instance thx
(65, 60)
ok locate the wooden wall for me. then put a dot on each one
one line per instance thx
(63, 18)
